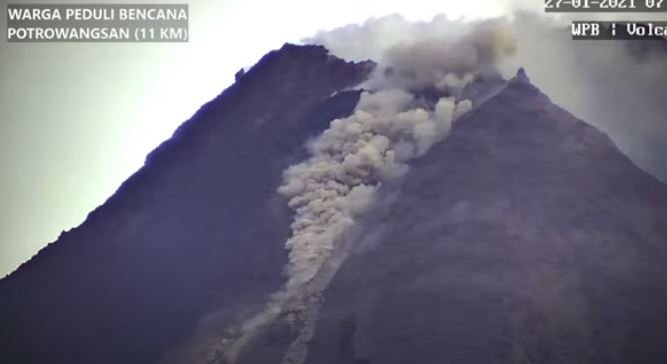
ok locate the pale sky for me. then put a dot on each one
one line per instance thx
(77, 119)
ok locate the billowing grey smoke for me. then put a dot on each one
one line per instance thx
(602, 82)
(449, 64)
(347, 164)
(351, 159)
(615, 85)
(441, 53)
(338, 182)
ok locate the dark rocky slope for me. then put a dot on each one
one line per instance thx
(525, 237)
(198, 228)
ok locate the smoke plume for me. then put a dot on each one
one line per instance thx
(447, 62)
(338, 183)
(618, 86)
(347, 164)
(604, 83)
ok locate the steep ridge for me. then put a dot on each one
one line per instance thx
(526, 236)
(197, 228)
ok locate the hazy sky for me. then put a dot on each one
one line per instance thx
(77, 119)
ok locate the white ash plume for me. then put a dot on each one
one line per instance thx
(617, 86)
(347, 164)
(445, 62)
(351, 159)
(338, 182)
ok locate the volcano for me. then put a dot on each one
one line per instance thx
(524, 236)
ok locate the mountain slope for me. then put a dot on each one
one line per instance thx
(178, 238)
(525, 237)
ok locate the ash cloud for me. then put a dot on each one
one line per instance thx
(448, 63)
(618, 86)
(601, 82)
(336, 185)
(348, 163)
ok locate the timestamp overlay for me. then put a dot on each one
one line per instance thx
(605, 6)
(97, 23)
(621, 30)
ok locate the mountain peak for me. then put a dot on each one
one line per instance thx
(524, 235)
(521, 74)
